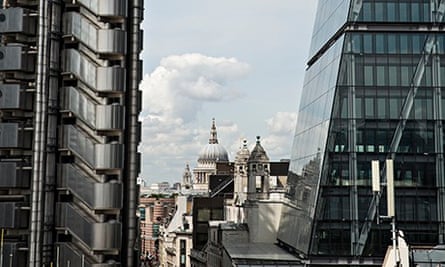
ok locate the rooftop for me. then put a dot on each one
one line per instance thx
(259, 251)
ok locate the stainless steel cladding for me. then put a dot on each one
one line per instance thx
(97, 196)
(12, 135)
(12, 216)
(100, 40)
(13, 175)
(104, 79)
(12, 96)
(16, 58)
(97, 236)
(107, 8)
(110, 79)
(17, 20)
(69, 131)
(111, 41)
(109, 156)
(72, 257)
(79, 144)
(110, 117)
(100, 117)
(97, 156)
(16, 253)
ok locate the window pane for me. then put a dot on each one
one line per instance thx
(381, 108)
(369, 75)
(369, 107)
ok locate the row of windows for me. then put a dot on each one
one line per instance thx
(388, 71)
(406, 174)
(408, 208)
(205, 215)
(396, 11)
(337, 240)
(384, 107)
(393, 43)
(416, 138)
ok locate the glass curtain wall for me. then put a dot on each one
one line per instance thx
(359, 78)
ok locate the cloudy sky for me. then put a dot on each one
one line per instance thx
(239, 61)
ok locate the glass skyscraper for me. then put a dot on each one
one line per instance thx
(69, 131)
(372, 91)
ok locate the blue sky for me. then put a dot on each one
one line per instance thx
(240, 62)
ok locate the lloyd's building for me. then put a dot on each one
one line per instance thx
(374, 90)
(69, 131)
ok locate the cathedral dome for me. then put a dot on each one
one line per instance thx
(213, 151)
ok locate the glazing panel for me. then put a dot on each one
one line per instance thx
(312, 128)
(331, 15)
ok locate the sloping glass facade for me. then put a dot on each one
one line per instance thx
(372, 91)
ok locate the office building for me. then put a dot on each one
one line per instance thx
(155, 211)
(372, 91)
(69, 131)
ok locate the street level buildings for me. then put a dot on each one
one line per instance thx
(155, 211)
(69, 131)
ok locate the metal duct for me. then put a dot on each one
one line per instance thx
(13, 175)
(15, 58)
(13, 256)
(12, 135)
(12, 96)
(11, 216)
(17, 20)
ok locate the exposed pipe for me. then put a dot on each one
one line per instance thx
(39, 139)
(135, 9)
(51, 97)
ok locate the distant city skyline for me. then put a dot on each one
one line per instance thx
(246, 72)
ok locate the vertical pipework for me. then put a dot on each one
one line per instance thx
(51, 97)
(135, 9)
(39, 139)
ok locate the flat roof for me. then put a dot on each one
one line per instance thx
(259, 251)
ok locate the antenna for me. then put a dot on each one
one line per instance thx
(375, 176)
(390, 187)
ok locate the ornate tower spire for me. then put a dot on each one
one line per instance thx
(187, 176)
(213, 135)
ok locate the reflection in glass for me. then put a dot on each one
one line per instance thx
(355, 87)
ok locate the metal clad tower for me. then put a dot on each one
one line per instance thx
(69, 131)
(372, 91)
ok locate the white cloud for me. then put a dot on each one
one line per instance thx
(281, 128)
(282, 123)
(181, 84)
(173, 95)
